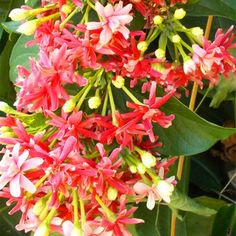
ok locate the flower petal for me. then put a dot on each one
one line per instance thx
(15, 186)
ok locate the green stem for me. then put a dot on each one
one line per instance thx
(112, 104)
(202, 100)
(68, 18)
(75, 206)
(131, 96)
(104, 108)
(82, 213)
(86, 91)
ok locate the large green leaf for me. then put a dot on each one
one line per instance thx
(20, 55)
(190, 134)
(224, 8)
(224, 221)
(182, 202)
(206, 173)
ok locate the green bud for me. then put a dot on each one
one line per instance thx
(142, 46)
(69, 105)
(179, 14)
(118, 82)
(141, 168)
(94, 102)
(112, 193)
(176, 38)
(158, 20)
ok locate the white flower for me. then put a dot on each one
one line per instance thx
(29, 27)
(18, 14)
(189, 66)
(165, 189)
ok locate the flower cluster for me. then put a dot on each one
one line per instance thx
(80, 145)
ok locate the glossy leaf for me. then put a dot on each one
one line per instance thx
(224, 221)
(224, 8)
(183, 202)
(190, 134)
(20, 55)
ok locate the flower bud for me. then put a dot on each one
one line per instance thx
(165, 190)
(42, 230)
(69, 105)
(77, 231)
(18, 14)
(39, 206)
(189, 65)
(29, 27)
(142, 46)
(133, 169)
(118, 82)
(197, 31)
(148, 159)
(141, 168)
(67, 9)
(94, 102)
(4, 107)
(179, 14)
(157, 20)
(160, 53)
(176, 38)
(112, 194)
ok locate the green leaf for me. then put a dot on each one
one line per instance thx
(20, 55)
(224, 221)
(190, 134)
(201, 225)
(8, 223)
(205, 168)
(11, 26)
(224, 8)
(183, 202)
(6, 90)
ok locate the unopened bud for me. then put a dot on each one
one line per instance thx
(197, 31)
(112, 194)
(18, 14)
(69, 105)
(179, 14)
(157, 20)
(141, 168)
(133, 169)
(94, 102)
(42, 230)
(142, 46)
(39, 206)
(29, 27)
(118, 82)
(160, 53)
(189, 65)
(148, 159)
(4, 107)
(176, 38)
(67, 9)
(77, 231)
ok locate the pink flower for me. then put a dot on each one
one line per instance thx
(12, 168)
(114, 20)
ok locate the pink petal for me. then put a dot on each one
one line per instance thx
(68, 146)
(26, 184)
(125, 31)
(32, 163)
(151, 201)
(4, 180)
(15, 186)
(22, 158)
(67, 227)
(108, 10)
(105, 35)
(93, 25)
(141, 188)
(100, 9)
